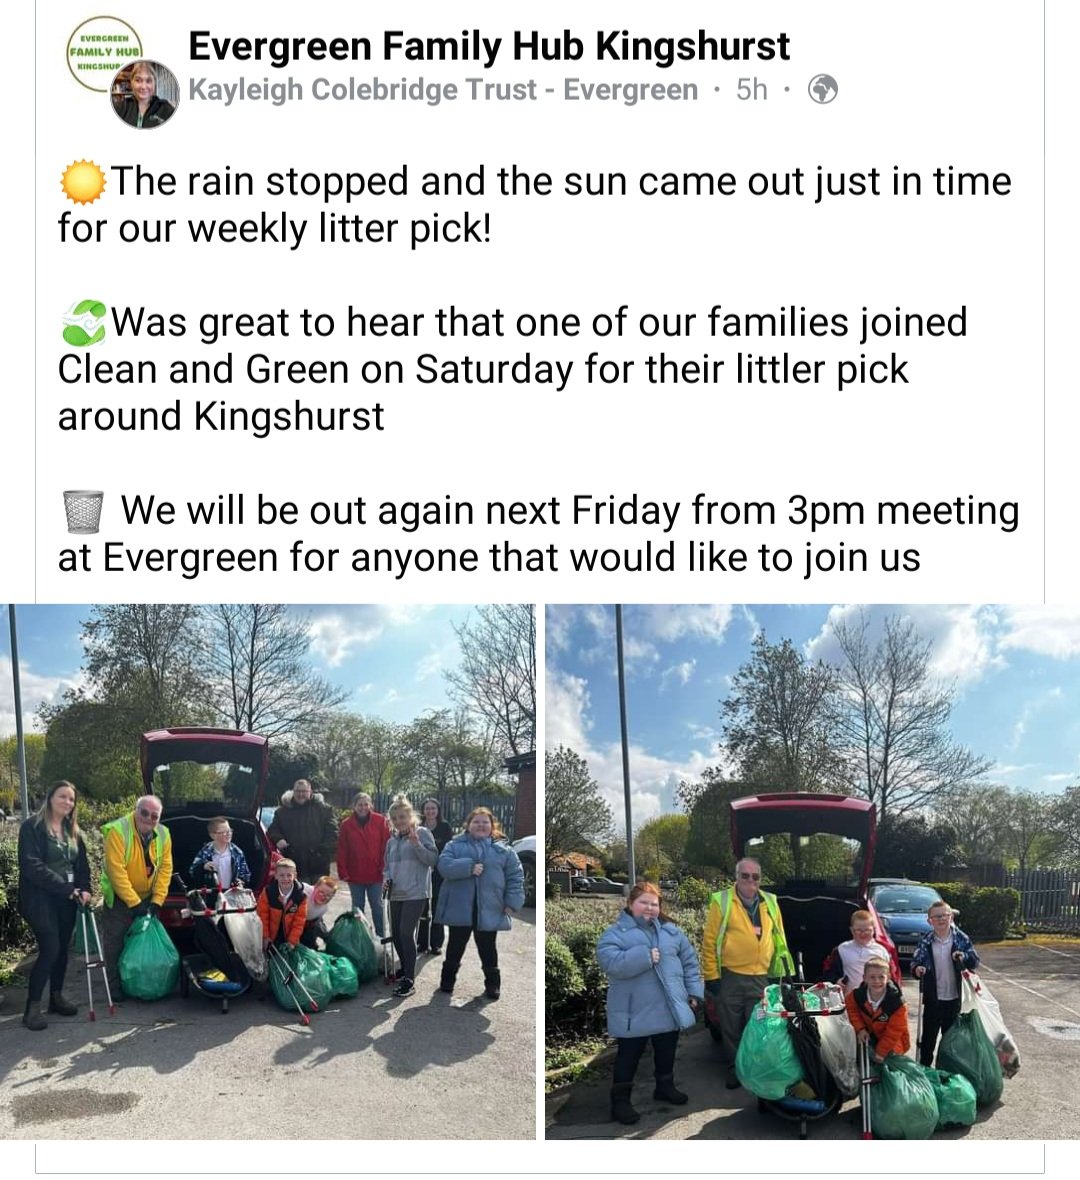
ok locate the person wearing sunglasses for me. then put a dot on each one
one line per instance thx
(743, 948)
(135, 880)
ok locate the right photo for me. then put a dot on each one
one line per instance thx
(812, 872)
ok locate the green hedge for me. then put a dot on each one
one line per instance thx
(985, 912)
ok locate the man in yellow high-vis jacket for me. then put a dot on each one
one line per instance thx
(135, 881)
(743, 948)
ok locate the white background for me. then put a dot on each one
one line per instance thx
(922, 91)
(921, 84)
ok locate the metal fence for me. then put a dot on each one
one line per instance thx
(1049, 898)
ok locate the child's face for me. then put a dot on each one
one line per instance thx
(862, 932)
(646, 905)
(940, 919)
(285, 879)
(876, 978)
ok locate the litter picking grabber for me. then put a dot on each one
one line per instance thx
(866, 1080)
(918, 1023)
(282, 978)
(97, 963)
(292, 977)
(389, 970)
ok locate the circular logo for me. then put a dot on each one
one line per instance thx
(98, 48)
(822, 88)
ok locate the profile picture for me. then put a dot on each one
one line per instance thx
(145, 94)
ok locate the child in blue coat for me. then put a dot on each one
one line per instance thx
(654, 990)
(940, 958)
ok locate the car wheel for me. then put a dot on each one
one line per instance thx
(528, 864)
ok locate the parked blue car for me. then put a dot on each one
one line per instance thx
(901, 905)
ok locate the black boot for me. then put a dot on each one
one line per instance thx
(61, 1005)
(449, 975)
(665, 1090)
(622, 1109)
(32, 1017)
(492, 983)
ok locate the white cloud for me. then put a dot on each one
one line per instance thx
(963, 641)
(36, 691)
(681, 672)
(430, 665)
(336, 631)
(652, 779)
(1046, 630)
(666, 624)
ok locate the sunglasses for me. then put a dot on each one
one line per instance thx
(149, 814)
(749, 876)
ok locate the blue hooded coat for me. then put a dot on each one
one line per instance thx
(500, 885)
(645, 998)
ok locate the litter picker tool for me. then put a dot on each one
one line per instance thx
(285, 976)
(292, 977)
(389, 969)
(866, 1080)
(918, 1022)
(95, 962)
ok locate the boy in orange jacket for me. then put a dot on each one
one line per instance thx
(878, 1013)
(282, 906)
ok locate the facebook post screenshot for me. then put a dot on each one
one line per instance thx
(430, 322)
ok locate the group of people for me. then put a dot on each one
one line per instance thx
(433, 881)
(657, 984)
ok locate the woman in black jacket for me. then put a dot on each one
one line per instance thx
(54, 880)
(431, 933)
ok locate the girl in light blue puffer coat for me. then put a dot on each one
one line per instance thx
(654, 990)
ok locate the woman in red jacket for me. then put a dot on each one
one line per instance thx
(361, 854)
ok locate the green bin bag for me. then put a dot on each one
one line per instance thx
(343, 978)
(149, 963)
(966, 1049)
(78, 946)
(902, 1101)
(349, 938)
(766, 1062)
(310, 968)
(955, 1098)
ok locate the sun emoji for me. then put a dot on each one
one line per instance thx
(83, 182)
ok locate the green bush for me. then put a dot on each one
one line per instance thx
(562, 979)
(14, 933)
(693, 892)
(985, 912)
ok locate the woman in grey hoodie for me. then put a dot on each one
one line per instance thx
(410, 857)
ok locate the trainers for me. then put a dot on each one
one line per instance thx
(404, 988)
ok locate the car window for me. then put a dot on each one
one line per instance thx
(905, 899)
(822, 858)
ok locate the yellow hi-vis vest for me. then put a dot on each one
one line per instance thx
(125, 825)
(782, 963)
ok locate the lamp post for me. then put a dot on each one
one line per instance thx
(631, 869)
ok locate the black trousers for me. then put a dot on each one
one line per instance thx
(485, 945)
(431, 934)
(313, 931)
(937, 1017)
(630, 1050)
(53, 925)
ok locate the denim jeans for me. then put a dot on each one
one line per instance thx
(372, 893)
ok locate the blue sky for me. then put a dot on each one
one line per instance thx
(1016, 672)
(390, 658)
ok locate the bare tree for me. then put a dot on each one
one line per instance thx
(1027, 829)
(257, 661)
(496, 679)
(896, 719)
(576, 817)
(779, 720)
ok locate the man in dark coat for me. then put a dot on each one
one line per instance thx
(305, 829)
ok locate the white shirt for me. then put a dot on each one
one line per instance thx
(853, 959)
(223, 864)
(944, 971)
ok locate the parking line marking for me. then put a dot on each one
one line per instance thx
(1024, 987)
(1053, 951)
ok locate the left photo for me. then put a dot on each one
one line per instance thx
(256, 849)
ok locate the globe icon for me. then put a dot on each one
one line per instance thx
(822, 88)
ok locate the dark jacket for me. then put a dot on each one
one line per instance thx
(240, 870)
(310, 830)
(37, 882)
(156, 113)
(924, 957)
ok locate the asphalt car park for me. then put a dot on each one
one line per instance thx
(432, 1066)
(1037, 983)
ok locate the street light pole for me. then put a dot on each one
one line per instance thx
(20, 744)
(631, 868)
